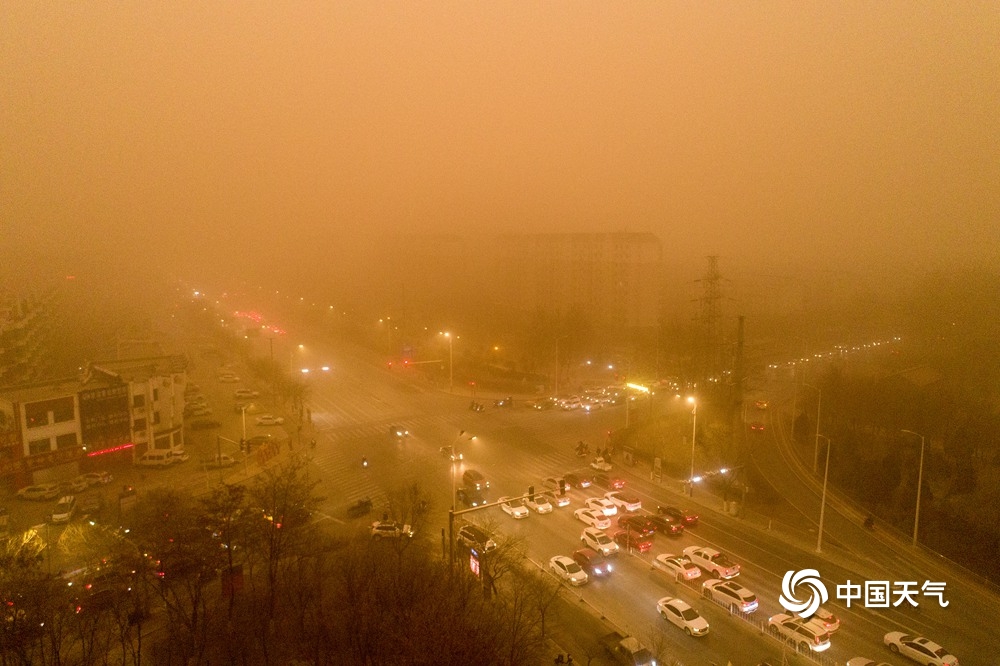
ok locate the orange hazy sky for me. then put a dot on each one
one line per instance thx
(825, 132)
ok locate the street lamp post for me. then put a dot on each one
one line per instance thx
(920, 480)
(694, 433)
(819, 402)
(451, 362)
(822, 502)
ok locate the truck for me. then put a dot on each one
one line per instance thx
(627, 650)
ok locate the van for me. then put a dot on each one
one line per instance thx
(475, 480)
(157, 458)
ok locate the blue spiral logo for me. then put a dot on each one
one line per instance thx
(807, 578)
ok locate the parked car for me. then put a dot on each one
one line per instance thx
(220, 460)
(390, 530)
(243, 393)
(229, 378)
(204, 424)
(677, 566)
(568, 570)
(269, 420)
(919, 649)
(594, 538)
(91, 505)
(680, 613)
(730, 594)
(800, 632)
(75, 485)
(199, 410)
(512, 508)
(41, 491)
(594, 563)
(64, 510)
(98, 478)
(624, 501)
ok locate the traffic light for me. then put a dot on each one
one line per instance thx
(562, 487)
(531, 493)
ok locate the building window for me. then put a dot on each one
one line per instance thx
(67, 441)
(39, 446)
(63, 411)
(156, 394)
(36, 414)
(140, 424)
(156, 418)
(139, 401)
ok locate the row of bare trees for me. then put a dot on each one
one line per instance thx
(253, 575)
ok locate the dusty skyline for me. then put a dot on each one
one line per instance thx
(254, 136)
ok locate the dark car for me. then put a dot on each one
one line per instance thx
(592, 562)
(205, 424)
(633, 541)
(637, 524)
(666, 524)
(399, 432)
(578, 479)
(470, 497)
(686, 516)
(609, 481)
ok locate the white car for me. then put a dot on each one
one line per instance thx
(65, 509)
(605, 506)
(269, 420)
(730, 594)
(712, 561)
(242, 393)
(800, 632)
(555, 499)
(540, 504)
(599, 541)
(97, 478)
(864, 661)
(681, 614)
(568, 570)
(513, 510)
(593, 518)
(677, 565)
(829, 620)
(229, 378)
(390, 530)
(601, 465)
(919, 649)
(623, 500)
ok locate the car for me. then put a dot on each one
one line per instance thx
(609, 481)
(512, 508)
(540, 404)
(593, 518)
(555, 499)
(269, 420)
(665, 524)
(568, 570)
(229, 378)
(390, 530)
(179, 456)
(64, 510)
(98, 478)
(475, 537)
(259, 440)
(757, 426)
(800, 632)
(399, 432)
(865, 661)
(240, 394)
(730, 594)
(605, 506)
(539, 503)
(554, 484)
(579, 479)
(200, 410)
(677, 565)
(919, 649)
(449, 452)
(636, 524)
(829, 620)
(760, 404)
(633, 541)
(204, 424)
(601, 465)
(599, 541)
(219, 461)
(92, 505)
(475, 479)
(594, 563)
(712, 561)
(246, 407)
(39, 492)
(680, 613)
(470, 497)
(686, 516)
(624, 500)
(75, 485)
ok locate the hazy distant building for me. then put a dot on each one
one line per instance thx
(24, 326)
